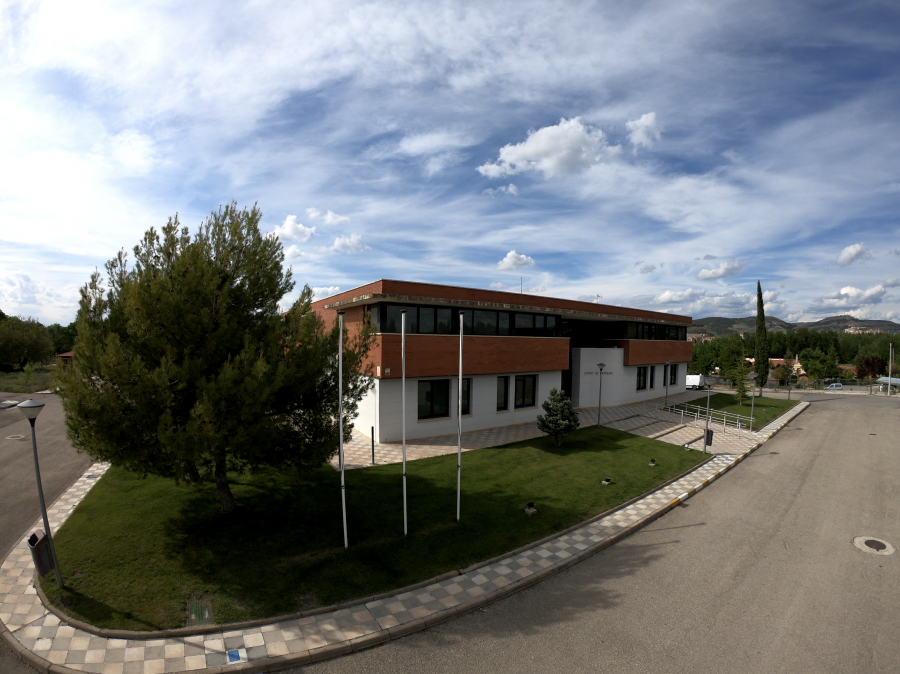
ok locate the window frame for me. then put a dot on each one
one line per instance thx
(431, 384)
(652, 376)
(467, 396)
(641, 378)
(503, 380)
(673, 374)
(525, 378)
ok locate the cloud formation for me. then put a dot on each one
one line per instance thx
(348, 244)
(291, 230)
(514, 261)
(644, 131)
(852, 253)
(565, 148)
(321, 292)
(329, 218)
(507, 189)
(850, 297)
(724, 269)
(499, 286)
(648, 268)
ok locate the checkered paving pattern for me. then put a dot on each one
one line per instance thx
(300, 640)
(47, 637)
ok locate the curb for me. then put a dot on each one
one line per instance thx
(399, 631)
(211, 629)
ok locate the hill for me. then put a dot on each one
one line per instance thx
(717, 325)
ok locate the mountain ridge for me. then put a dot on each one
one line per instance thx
(719, 325)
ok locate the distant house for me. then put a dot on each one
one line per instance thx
(65, 359)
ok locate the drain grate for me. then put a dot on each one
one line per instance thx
(199, 612)
(872, 545)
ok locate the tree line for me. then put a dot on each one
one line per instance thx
(821, 353)
(25, 340)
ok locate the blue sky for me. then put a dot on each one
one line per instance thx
(659, 155)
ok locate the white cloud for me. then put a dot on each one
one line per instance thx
(648, 269)
(896, 252)
(566, 148)
(724, 269)
(293, 253)
(499, 286)
(709, 257)
(330, 217)
(291, 230)
(321, 292)
(852, 253)
(508, 189)
(671, 296)
(892, 283)
(134, 152)
(850, 297)
(348, 244)
(514, 261)
(432, 143)
(644, 131)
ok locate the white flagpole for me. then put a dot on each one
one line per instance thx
(403, 404)
(459, 419)
(341, 419)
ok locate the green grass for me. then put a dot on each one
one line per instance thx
(136, 551)
(14, 382)
(764, 409)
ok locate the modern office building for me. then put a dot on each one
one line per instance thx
(515, 349)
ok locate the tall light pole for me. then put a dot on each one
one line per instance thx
(667, 374)
(341, 420)
(600, 394)
(403, 404)
(459, 416)
(752, 377)
(890, 368)
(31, 409)
(706, 434)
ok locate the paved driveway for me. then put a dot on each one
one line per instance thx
(757, 574)
(61, 465)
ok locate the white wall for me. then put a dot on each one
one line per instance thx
(619, 381)
(483, 406)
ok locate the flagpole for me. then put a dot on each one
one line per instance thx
(459, 419)
(341, 419)
(403, 404)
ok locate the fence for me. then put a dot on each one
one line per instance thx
(693, 414)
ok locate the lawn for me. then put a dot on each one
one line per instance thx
(764, 409)
(15, 382)
(136, 551)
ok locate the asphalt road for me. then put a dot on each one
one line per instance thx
(19, 505)
(757, 574)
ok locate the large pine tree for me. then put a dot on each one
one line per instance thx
(762, 341)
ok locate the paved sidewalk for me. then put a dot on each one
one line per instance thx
(358, 452)
(45, 640)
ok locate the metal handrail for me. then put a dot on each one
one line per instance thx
(695, 413)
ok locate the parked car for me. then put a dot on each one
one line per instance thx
(694, 381)
(883, 388)
(837, 386)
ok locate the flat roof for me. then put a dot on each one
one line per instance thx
(415, 292)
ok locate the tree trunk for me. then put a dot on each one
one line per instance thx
(191, 474)
(222, 485)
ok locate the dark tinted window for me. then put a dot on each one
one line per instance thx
(466, 396)
(503, 323)
(434, 399)
(444, 321)
(485, 322)
(525, 390)
(466, 316)
(426, 320)
(502, 393)
(551, 322)
(524, 321)
(653, 376)
(673, 374)
(539, 322)
(641, 378)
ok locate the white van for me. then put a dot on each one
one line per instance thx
(694, 381)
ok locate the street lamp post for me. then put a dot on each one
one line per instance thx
(706, 434)
(752, 377)
(667, 374)
(600, 394)
(31, 409)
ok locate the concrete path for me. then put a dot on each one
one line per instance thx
(45, 641)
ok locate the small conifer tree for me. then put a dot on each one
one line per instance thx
(560, 418)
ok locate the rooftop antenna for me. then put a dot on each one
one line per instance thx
(520, 286)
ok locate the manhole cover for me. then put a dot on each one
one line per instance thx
(873, 545)
(15, 437)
